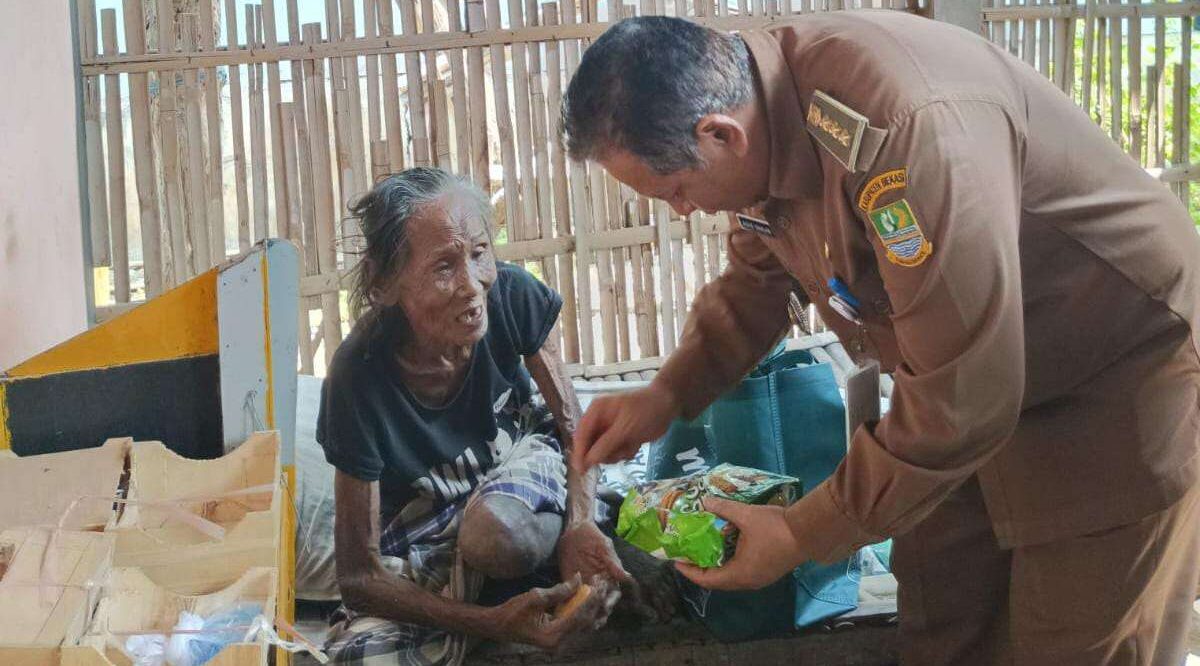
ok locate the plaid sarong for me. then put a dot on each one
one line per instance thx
(421, 544)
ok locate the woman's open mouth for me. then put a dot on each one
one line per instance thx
(471, 316)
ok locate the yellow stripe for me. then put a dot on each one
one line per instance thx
(179, 324)
(267, 343)
(286, 597)
(5, 435)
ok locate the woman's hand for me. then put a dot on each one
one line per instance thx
(766, 548)
(529, 617)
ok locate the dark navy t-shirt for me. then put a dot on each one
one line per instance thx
(374, 429)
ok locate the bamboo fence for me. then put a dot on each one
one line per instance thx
(212, 129)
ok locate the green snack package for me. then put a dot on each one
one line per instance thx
(666, 518)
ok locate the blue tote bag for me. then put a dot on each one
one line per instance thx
(787, 417)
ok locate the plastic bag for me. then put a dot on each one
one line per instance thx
(207, 637)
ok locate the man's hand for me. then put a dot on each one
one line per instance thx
(584, 550)
(529, 617)
(615, 426)
(766, 548)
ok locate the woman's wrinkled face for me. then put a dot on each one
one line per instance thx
(443, 288)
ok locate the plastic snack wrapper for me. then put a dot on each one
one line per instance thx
(667, 518)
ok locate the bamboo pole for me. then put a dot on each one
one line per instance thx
(94, 141)
(697, 241)
(439, 121)
(212, 125)
(1136, 130)
(1117, 96)
(380, 167)
(269, 40)
(358, 148)
(168, 117)
(237, 120)
(415, 85)
(303, 153)
(525, 175)
(1029, 34)
(458, 85)
(374, 122)
(504, 126)
(143, 154)
(542, 183)
(1064, 49)
(391, 91)
(562, 205)
(314, 71)
(1102, 92)
(1178, 123)
(480, 160)
(1043, 28)
(196, 194)
(607, 293)
(578, 185)
(258, 131)
(117, 216)
(1160, 84)
(614, 220)
(293, 225)
(1183, 158)
(1153, 113)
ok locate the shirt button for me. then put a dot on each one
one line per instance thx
(812, 287)
(882, 306)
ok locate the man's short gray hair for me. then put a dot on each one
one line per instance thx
(646, 82)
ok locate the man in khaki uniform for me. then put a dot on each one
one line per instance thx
(953, 215)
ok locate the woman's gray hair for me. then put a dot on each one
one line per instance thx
(646, 82)
(383, 215)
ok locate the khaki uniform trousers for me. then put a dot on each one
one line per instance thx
(1119, 596)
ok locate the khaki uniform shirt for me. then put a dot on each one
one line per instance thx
(1033, 290)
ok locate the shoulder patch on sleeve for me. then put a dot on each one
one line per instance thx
(896, 179)
(901, 234)
(838, 128)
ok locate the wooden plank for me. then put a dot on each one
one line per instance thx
(294, 225)
(477, 103)
(1136, 136)
(94, 141)
(212, 133)
(414, 82)
(196, 194)
(391, 91)
(504, 125)
(314, 71)
(274, 96)
(258, 129)
(143, 154)
(237, 120)
(458, 86)
(114, 128)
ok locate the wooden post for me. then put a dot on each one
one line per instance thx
(439, 117)
(1089, 51)
(458, 84)
(314, 88)
(258, 131)
(1184, 85)
(215, 212)
(94, 140)
(143, 153)
(504, 127)
(578, 182)
(1136, 139)
(168, 118)
(1160, 84)
(116, 163)
(418, 124)
(391, 91)
(274, 97)
(520, 80)
(303, 153)
(480, 160)
(236, 123)
(196, 201)
(1117, 96)
(294, 226)
(370, 30)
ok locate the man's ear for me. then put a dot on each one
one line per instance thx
(717, 132)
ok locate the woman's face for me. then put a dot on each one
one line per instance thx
(443, 288)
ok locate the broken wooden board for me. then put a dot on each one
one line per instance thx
(231, 519)
(75, 487)
(49, 586)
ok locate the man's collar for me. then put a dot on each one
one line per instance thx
(795, 171)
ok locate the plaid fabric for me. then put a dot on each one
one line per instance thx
(420, 544)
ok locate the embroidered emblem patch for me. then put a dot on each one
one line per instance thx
(838, 128)
(896, 179)
(754, 224)
(902, 237)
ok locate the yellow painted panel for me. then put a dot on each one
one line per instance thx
(5, 435)
(178, 324)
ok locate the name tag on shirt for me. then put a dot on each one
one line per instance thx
(754, 224)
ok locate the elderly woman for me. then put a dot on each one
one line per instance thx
(427, 413)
